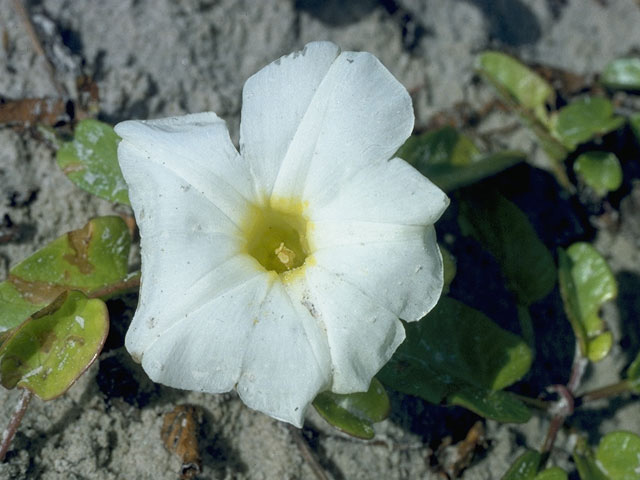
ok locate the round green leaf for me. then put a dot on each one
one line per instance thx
(506, 233)
(50, 350)
(583, 119)
(457, 354)
(93, 259)
(623, 73)
(618, 456)
(525, 467)
(586, 282)
(90, 161)
(355, 413)
(600, 170)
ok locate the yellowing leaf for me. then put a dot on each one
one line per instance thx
(50, 350)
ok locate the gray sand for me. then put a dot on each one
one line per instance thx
(153, 58)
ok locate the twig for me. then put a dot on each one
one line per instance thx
(307, 453)
(14, 423)
(37, 44)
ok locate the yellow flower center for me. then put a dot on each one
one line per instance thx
(277, 235)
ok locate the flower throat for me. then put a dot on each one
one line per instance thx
(276, 237)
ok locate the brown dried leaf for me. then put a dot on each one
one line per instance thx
(180, 436)
(31, 111)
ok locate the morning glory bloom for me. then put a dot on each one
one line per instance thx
(282, 270)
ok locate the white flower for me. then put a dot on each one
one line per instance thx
(282, 270)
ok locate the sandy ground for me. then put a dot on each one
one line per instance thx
(154, 58)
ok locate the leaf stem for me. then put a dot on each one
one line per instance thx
(14, 423)
(612, 390)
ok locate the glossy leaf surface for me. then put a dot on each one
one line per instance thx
(618, 455)
(355, 413)
(586, 282)
(525, 467)
(600, 170)
(50, 350)
(583, 120)
(90, 161)
(458, 355)
(506, 233)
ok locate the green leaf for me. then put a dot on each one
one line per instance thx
(92, 259)
(586, 282)
(50, 350)
(600, 170)
(512, 78)
(623, 73)
(506, 233)
(457, 354)
(633, 374)
(553, 473)
(90, 161)
(525, 467)
(618, 456)
(449, 267)
(634, 121)
(583, 120)
(451, 160)
(497, 405)
(586, 463)
(355, 413)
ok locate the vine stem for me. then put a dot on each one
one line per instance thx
(14, 423)
(618, 388)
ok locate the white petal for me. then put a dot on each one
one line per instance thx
(203, 350)
(172, 289)
(403, 276)
(362, 334)
(188, 228)
(274, 100)
(386, 192)
(287, 361)
(197, 150)
(359, 116)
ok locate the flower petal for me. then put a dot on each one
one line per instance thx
(359, 116)
(404, 276)
(188, 229)
(203, 350)
(287, 361)
(386, 192)
(362, 335)
(274, 100)
(197, 150)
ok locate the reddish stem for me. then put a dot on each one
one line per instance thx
(14, 423)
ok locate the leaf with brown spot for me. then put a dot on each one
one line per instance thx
(93, 260)
(50, 350)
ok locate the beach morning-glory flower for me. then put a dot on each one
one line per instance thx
(282, 270)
